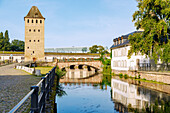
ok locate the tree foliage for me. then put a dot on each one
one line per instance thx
(98, 49)
(17, 45)
(153, 17)
(5, 45)
(4, 41)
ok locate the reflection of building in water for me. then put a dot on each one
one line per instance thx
(79, 73)
(75, 74)
(125, 95)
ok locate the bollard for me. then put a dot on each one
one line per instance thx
(34, 100)
(44, 93)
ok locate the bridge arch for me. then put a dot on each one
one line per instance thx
(80, 65)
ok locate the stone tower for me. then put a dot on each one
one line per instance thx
(34, 35)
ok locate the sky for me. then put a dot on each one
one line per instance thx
(68, 23)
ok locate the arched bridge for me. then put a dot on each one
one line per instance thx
(77, 64)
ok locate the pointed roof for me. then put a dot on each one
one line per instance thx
(34, 13)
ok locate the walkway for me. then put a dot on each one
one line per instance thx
(14, 85)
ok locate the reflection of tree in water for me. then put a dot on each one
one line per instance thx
(60, 91)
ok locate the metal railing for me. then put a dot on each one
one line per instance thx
(153, 67)
(39, 94)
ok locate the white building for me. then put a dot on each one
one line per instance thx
(120, 60)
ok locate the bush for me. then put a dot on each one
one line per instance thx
(138, 76)
(144, 79)
(120, 75)
(126, 76)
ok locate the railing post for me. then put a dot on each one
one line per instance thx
(34, 100)
(44, 93)
(48, 85)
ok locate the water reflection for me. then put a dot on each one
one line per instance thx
(126, 95)
(79, 73)
(84, 91)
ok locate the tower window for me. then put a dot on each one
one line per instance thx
(29, 30)
(29, 40)
(36, 21)
(32, 21)
(38, 40)
(28, 21)
(27, 47)
(34, 40)
(33, 52)
(40, 21)
(34, 30)
(39, 30)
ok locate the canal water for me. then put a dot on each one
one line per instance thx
(82, 91)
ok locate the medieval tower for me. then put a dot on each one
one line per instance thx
(34, 35)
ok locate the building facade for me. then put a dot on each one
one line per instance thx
(120, 60)
(34, 35)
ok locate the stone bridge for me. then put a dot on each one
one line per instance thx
(90, 65)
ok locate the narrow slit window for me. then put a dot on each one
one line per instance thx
(38, 40)
(39, 30)
(36, 21)
(27, 47)
(29, 30)
(33, 52)
(34, 30)
(40, 21)
(34, 40)
(29, 40)
(28, 21)
(32, 21)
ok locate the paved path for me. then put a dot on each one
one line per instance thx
(9, 70)
(14, 85)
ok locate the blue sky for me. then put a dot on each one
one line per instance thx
(71, 22)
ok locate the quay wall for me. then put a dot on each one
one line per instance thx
(155, 76)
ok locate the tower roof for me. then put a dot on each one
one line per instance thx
(34, 13)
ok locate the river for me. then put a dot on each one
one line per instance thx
(82, 91)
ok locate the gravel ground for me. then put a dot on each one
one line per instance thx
(14, 85)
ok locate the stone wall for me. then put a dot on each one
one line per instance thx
(156, 76)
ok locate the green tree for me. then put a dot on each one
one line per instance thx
(17, 45)
(84, 49)
(153, 17)
(94, 49)
(4, 41)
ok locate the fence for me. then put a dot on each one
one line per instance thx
(39, 94)
(153, 67)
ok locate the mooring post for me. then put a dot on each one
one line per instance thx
(34, 100)
(44, 93)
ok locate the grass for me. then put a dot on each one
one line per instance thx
(44, 70)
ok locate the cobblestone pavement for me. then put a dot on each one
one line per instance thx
(14, 85)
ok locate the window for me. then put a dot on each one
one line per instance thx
(36, 21)
(29, 40)
(34, 30)
(39, 30)
(40, 21)
(38, 40)
(32, 21)
(29, 30)
(28, 21)
(27, 47)
(33, 52)
(34, 40)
